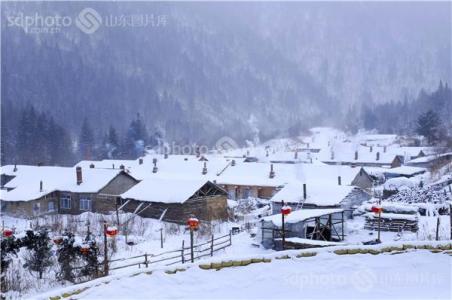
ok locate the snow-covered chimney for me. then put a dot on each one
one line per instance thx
(356, 155)
(140, 161)
(204, 169)
(272, 173)
(112, 166)
(122, 167)
(40, 186)
(15, 168)
(154, 169)
(233, 162)
(91, 166)
(78, 172)
(378, 156)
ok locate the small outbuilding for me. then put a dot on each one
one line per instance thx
(307, 224)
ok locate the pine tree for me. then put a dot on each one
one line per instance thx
(86, 145)
(111, 143)
(67, 255)
(9, 247)
(428, 125)
(39, 257)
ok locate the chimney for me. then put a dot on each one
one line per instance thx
(233, 162)
(140, 161)
(113, 166)
(339, 180)
(356, 155)
(272, 173)
(204, 169)
(122, 167)
(154, 169)
(378, 156)
(40, 186)
(78, 172)
(384, 149)
(304, 191)
(371, 148)
(91, 166)
(15, 168)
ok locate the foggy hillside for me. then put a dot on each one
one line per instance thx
(226, 68)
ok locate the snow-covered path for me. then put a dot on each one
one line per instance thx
(417, 274)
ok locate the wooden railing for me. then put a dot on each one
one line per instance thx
(177, 256)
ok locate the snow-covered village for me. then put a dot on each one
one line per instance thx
(158, 150)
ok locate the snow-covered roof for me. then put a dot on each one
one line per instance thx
(26, 185)
(405, 171)
(300, 215)
(164, 190)
(317, 194)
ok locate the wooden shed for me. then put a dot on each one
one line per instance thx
(175, 200)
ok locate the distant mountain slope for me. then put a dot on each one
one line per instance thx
(214, 65)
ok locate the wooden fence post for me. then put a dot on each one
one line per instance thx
(450, 217)
(182, 252)
(230, 237)
(437, 229)
(211, 247)
(146, 260)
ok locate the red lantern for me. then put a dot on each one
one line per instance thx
(111, 231)
(377, 209)
(84, 249)
(7, 233)
(286, 210)
(193, 223)
(58, 240)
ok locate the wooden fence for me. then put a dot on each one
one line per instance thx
(177, 256)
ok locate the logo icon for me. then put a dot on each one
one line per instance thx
(88, 20)
(225, 144)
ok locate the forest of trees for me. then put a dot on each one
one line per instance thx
(428, 115)
(30, 136)
(33, 137)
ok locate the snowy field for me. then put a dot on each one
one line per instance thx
(412, 275)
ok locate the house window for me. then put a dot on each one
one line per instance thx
(246, 193)
(51, 206)
(85, 203)
(65, 201)
(36, 208)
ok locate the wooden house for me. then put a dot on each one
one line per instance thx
(36, 191)
(175, 200)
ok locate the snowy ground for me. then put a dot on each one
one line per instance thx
(417, 274)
